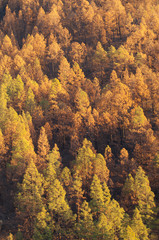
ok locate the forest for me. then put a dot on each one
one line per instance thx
(79, 119)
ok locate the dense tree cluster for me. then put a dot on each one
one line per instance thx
(79, 119)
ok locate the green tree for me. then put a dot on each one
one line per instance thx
(145, 196)
(128, 194)
(53, 167)
(82, 102)
(57, 94)
(100, 61)
(54, 160)
(106, 194)
(77, 192)
(15, 91)
(19, 144)
(56, 199)
(138, 118)
(85, 226)
(104, 228)
(31, 190)
(66, 177)
(29, 125)
(84, 162)
(3, 105)
(138, 227)
(22, 154)
(44, 227)
(156, 160)
(30, 102)
(6, 80)
(97, 196)
(29, 199)
(115, 215)
(66, 180)
(122, 58)
(56, 195)
(130, 234)
(59, 208)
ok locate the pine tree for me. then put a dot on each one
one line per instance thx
(30, 102)
(145, 196)
(78, 52)
(100, 168)
(85, 226)
(3, 105)
(53, 166)
(44, 227)
(48, 131)
(105, 228)
(43, 145)
(56, 89)
(121, 99)
(66, 177)
(55, 53)
(56, 198)
(77, 192)
(29, 199)
(122, 58)
(66, 74)
(66, 180)
(29, 125)
(128, 194)
(140, 90)
(7, 46)
(130, 234)
(82, 102)
(43, 148)
(56, 195)
(138, 118)
(106, 195)
(59, 208)
(115, 215)
(22, 154)
(30, 195)
(54, 160)
(138, 227)
(79, 75)
(19, 144)
(100, 61)
(123, 168)
(97, 196)
(84, 162)
(15, 91)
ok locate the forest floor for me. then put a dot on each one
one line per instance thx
(9, 223)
